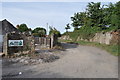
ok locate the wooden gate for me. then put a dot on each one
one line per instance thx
(42, 42)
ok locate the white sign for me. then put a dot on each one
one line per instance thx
(15, 43)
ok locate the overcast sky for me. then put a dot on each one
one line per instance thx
(38, 14)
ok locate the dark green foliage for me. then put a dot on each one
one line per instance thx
(78, 20)
(39, 32)
(96, 18)
(54, 31)
(94, 12)
(67, 27)
(22, 27)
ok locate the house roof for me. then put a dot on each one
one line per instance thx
(7, 27)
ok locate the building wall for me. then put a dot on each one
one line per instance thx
(1, 37)
(0, 28)
(5, 27)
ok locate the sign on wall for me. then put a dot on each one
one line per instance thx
(15, 43)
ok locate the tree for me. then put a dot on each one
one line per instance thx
(22, 27)
(112, 15)
(39, 32)
(117, 12)
(67, 27)
(108, 12)
(54, 31)
(78, 19)
(94, 12)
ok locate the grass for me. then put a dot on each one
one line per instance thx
(113, 49)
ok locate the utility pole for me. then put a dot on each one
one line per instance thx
(47, 29)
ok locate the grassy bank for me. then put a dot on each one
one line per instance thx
(113, 49)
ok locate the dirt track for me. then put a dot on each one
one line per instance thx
(78, 62)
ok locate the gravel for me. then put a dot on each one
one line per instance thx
(41, 57)
(78, 62)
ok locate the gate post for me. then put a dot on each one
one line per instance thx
(5, 45)
(52, 40)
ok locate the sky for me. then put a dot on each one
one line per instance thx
(38, 14)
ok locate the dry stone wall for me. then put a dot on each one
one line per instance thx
(28, 43)
(112, 37)
(103, 38)
(115, 37)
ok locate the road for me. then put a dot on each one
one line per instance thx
(78, 62)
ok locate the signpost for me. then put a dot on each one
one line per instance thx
(15, 43)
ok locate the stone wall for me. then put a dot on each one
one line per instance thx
(112, 37)
(65, 37)
(7, 27)
(115, 37)
(107, 38)
(28, 43)
(103, 38)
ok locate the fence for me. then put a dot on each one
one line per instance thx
(42, 42)
(46, 42)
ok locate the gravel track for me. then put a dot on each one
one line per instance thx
(78, 62)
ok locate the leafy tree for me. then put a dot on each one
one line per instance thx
(112, 16)
(94, 11)
(96, 18)
(67, 27)
(108, 13)
(22, 27)
(54, 31)
(39, 32)
(78, 19)
(117, 12)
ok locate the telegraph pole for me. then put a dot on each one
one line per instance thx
(47, 29)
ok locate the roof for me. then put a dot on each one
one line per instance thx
(7, 27)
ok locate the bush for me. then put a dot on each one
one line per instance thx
(83, 32)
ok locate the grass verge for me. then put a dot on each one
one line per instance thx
(113, 49)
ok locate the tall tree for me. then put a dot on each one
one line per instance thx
(67, 27)
(94, 12)
(78, 19)
(117, 12)
(22, 27)
(54, 31)
(39, 32)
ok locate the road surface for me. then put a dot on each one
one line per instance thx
(78, 62)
